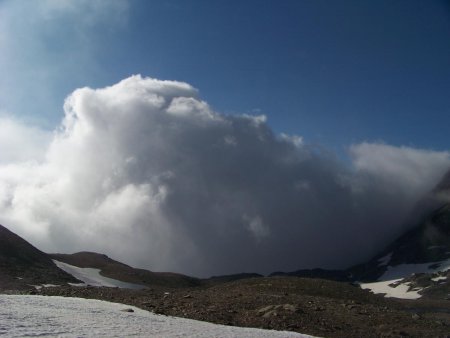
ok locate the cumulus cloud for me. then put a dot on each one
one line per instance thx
(147, 172)
(20, 142)
(419, 168)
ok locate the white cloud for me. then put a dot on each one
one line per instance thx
(20, 142)
(419, 168)
(148, 173)
(88, 12)
(256, 226)
(294, 139)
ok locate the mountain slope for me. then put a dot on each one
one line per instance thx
(22, 264)
(417, 262)
(414, 265)
(427, 243)
(122, 272)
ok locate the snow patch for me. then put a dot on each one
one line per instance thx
(92, 277)
(439, 278)
(26, 315)
(38, 287)
(392, 289)
(390, 283)
(77, 284)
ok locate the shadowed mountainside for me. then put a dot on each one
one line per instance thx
(22, 264)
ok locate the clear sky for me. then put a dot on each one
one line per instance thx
(335, 73)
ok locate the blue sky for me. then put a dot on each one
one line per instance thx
(335, 73)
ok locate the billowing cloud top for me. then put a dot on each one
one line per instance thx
(147, 172)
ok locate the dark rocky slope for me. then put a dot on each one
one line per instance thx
(21, 264)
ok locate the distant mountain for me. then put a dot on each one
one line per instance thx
(122, 272)
(21, 264)
(335, 275)
(429, 242)
(414, 265)
(421, 256)
(24, 266)
(230, 278)
(418, 262)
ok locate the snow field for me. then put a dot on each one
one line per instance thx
(27, 315)
(92, 277)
